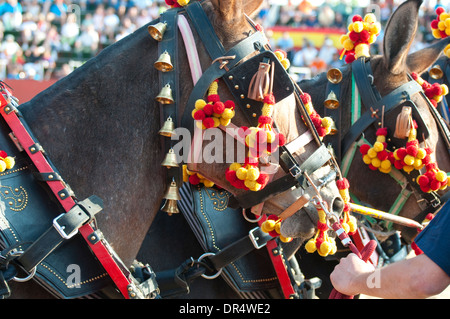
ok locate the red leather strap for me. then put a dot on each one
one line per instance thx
(43, 166)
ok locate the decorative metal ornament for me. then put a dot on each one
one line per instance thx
(331, 102)
(164, 63)
(168, 128)
(334, 75)
(157, 30)
(165, 95)
(170, 160)
(436, 72)
(171, 196)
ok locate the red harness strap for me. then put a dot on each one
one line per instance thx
(278, 264)
(121, 280)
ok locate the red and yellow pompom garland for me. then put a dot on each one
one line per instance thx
(361, 33)
(323, 125)
(177, 3)
(213, 112)
(6, 162)
(348, 222)
(272, 227)
(377, 156)
(195, 178)
(321, 242)
(440, 27)
(434, 92)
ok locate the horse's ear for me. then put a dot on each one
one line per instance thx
(423, 59)
(399, 35)
(232, 9)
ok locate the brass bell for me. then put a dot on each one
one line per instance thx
(436, 72)
(171, 196)
(165, 95)
(170, 160)
(334, 75)
(170, 207)
(157, 30)
(168, 128)
(334, 129)
(164, 64)
(331, 102)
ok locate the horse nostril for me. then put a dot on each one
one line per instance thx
(338, 205)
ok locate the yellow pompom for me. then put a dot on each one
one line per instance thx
(385, 170)
(375, 28)
(358, 26)
(216, 121)
(421, 153)
(279, 55)
(386, 164)
(350, 27)
(268, 225)
(436, 33)
(241, 173)
(367, 159)
(444, 88)
(200, 125)
(183, 2)
(249, 183)
(228, 114)
(225, 122)
(370, 18)
(378, 147)
(278, 228)
(381, 139)
(417, 163)
(409, 160)
(256, 187)
(376, 162)
(348, 45)
(310, 246)
(346, 227)
(408, 168)
(252, 173)
(327, 122)
(343, 38)
(285, 63)
(235, 166)
(200, 104)
(2, 166)
(362, 50)
(441, 176)
(325, 249)
(372, 153)
(185, 174)
(441, 26)
(444, 16)
(352, 223)
(372, 38)
(271, 136)
(208, 183)
(285, 239)
(9, 161)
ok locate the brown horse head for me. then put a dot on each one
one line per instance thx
(390, 70)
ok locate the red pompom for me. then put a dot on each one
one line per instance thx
(322, 226)
(269, 99)
(194, 179)
(208, 109)
(434, 25)
(422, 180)
(229, 104)
(321, 131)
(199, 115)
(431, 166)
(243, 131)
(3, 154)
(343, 183)
(412, 150)
(383, 155)
(425, 189)
(350, 58)
(356, 18)
(398, 164)
(170, 2)
(443, 34)
(306, 98)
(213, 98)
(435, 185)
(263, 179)
(364, 35)
(373, 168)
(414, 75)
(429, 216)
(401, 153)
(265, 120)
(281, 139)
(354, 36)
(437, 89)
(282, 52)
(382, 131)
(434, 103)
(440, 10)
(364, 149)
(208, 122)
(218, 107)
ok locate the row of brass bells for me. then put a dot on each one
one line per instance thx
(334, 75)
(172, 196)
(436, 72)
(170, 160)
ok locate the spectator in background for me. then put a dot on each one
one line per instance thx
(11, 14)
(286, 44)
(88, 41)
(9, 47)
(111, 23)
(327, 51)
(59, 9)
(69, 32)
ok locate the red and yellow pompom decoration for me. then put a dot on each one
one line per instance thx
(6, 162)
(246, 176)
(440, 27)
(425, 222)
(195, 178)
(433, 179)
(323, 125)
(377, 156)
(348, 222)
(321, 242)
(272, 227)
(177, 3)
(212, 112)
(361, 34)
(435, 92)
(282, 56)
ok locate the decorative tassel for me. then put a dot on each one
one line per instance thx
(272, 227)
(321, 242)
(435, 92)
(195, 178)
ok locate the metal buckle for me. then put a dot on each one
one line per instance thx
(255, 239)
(60, 229)
(295, 171)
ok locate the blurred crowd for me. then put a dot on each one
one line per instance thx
(43, 39)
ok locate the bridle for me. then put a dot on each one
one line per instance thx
(346, 145)
(232, 67)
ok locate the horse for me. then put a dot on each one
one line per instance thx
(390, 71)
(99, 125)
